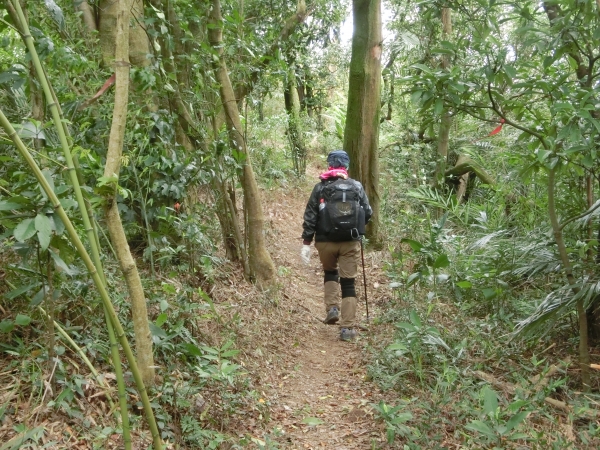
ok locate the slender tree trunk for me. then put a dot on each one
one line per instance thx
(589, 189)
(260, 261)
(361, 136)
(446, 119)
(138, 39)
(87, 15)
(584, 354)
(292, 106)
(128, 266)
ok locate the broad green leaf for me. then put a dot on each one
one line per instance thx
(38, 297)
(192, 349)
(489, 293)
(416, 97)
(510, 71)
(164, 305)
(43, 225)
(414, 318)
(490, 401)
(441, 261)
(24, 230)
(157, 332)
(515, 420)
(542, 155)
(6, 326)
(413, 278)
(422, 67)
(391, 435)
(161, 319)
(548, 60)
(464, 284)
(6, 205)
(396, 346)
(518, 436)
(416, 246)
(406, 326)
(312, 421)
(587, 161)
(401, 418)
(481, 427)
(439, 107)
(59, 226)
(22, 320)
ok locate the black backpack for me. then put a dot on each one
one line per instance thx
(343, 217)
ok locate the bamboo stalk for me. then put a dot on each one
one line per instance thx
(84, 207)
(98, 280)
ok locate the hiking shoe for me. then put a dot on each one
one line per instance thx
(332, 316)
(348, 334)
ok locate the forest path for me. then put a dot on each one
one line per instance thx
(317, 392)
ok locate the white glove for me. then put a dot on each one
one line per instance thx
(305, 254)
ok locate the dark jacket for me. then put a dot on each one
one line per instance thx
(312, 225)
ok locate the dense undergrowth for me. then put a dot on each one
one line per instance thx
(466, 348)
(475, 349)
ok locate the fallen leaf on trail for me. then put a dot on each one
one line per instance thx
(312, 421)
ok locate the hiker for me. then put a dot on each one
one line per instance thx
(336, 215)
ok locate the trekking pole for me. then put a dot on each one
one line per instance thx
(362, 255)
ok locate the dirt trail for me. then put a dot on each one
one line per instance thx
(318, 376)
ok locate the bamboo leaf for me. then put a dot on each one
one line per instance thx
(16, 292)
(481, 427)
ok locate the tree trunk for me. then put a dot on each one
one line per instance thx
(446, 119)
(292, 107)
(584, 354)
(87, 15)
(361, 136)
(138, 39)
(261, 265)
(128, 266)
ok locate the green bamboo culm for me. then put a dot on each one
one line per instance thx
(75, 177)
(98, 280)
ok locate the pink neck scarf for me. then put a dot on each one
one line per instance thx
(339, 172)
